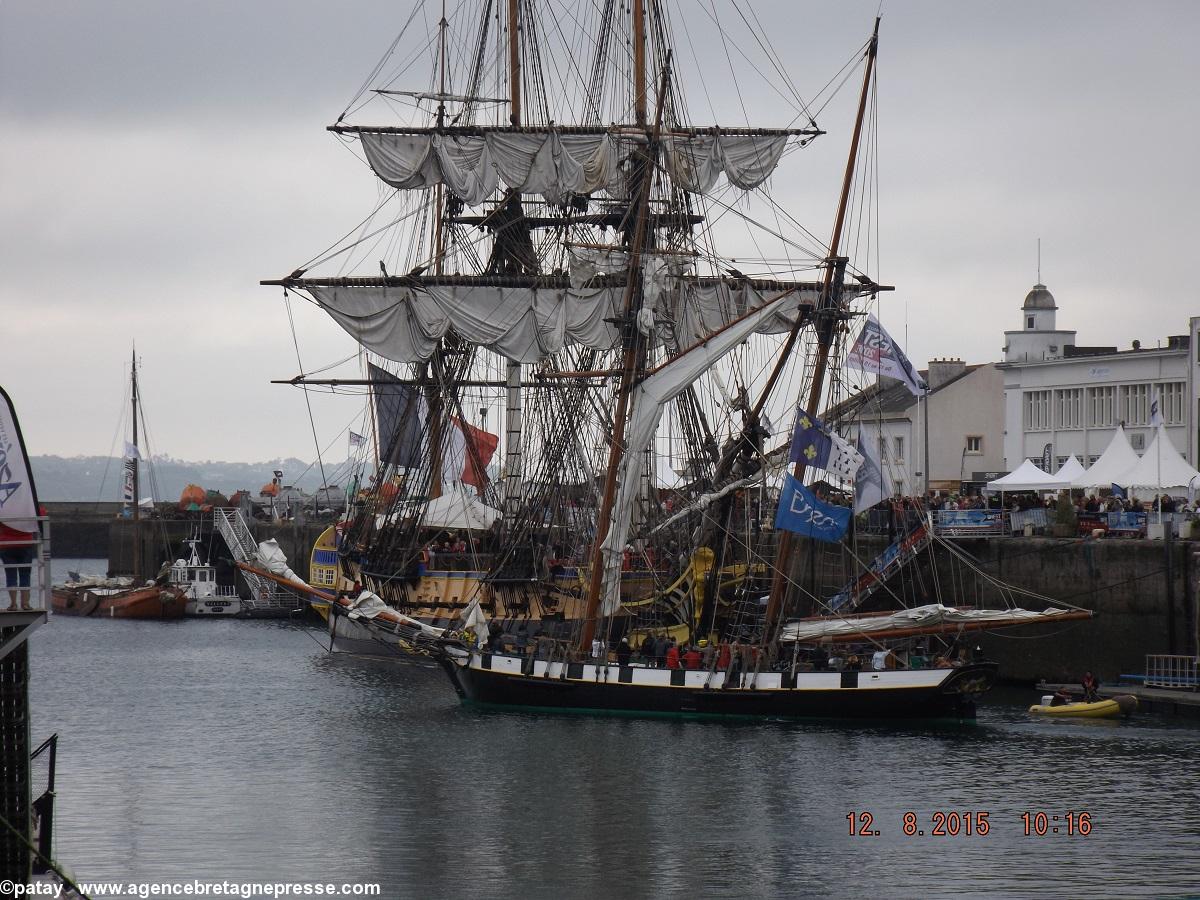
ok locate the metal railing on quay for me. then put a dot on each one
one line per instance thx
(27, 570)
(1171, 671)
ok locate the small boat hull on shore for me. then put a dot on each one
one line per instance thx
(1109, 708)
(151, 602)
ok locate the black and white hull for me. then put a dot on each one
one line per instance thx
(521, 682)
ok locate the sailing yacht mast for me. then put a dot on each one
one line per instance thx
(827, 314)
(137, 531)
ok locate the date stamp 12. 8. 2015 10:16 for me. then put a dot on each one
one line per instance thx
(1031, 823)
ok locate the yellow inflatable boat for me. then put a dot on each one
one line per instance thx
(1109, 708)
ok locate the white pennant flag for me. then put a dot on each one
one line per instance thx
(1156, 416)
(132, 451)
(872, 484)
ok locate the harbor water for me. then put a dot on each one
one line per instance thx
(243, 751)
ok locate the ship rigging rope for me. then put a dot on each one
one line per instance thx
(970, 563)
(363, 88)
(287, 302)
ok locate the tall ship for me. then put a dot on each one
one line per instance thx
(617, 288)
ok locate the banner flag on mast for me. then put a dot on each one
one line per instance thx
(466, 453)
(127, 494)
(357, 440)
(874, 351)
(821, 449)
(132, 451)
(801, 511)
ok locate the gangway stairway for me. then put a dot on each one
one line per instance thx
(894, 558)
(268, 600)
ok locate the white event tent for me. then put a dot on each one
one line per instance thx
(1027, 477)
(1113, 466)
(1162, 468)
(1070, 470)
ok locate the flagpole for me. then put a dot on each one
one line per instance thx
(926, 439)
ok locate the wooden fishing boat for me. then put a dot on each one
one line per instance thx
(116, 602)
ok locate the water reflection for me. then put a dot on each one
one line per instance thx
(210, 749)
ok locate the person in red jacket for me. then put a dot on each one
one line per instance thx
(723, 657)
(672, 656)
(691, 659)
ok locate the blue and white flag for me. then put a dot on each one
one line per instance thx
(1118, 491)
(800, 511)
(814, 446)
(871, 483)
(357, 440)
(876, 352)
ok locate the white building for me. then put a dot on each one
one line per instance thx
(1072, 398)
(966, 413)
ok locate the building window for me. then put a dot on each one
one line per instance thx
(1171, 394)
(1135, 404)
(1092, 460)
(1029, 321)
(1037, 410)
(1101, 407)
(1137, 441)
(1069, 408)
(898, 447)
(975, 444)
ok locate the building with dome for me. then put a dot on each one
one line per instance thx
(1071, 398)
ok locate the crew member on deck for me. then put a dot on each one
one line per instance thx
(672, 654)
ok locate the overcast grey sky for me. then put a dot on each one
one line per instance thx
(162, 156)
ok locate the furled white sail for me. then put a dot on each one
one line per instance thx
(527, 324)
(917, 617)
(649, 399)
(695, 162)
(404, 324)
(557, 165)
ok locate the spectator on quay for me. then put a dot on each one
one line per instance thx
(16, 554)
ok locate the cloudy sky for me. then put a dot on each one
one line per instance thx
(160, 158)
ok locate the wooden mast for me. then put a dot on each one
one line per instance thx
(827, 312)
(639, 62)
(633, 354)
(439, 201)
(514, 66)
(137, 531)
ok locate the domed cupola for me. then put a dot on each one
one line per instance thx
(1039, 298)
